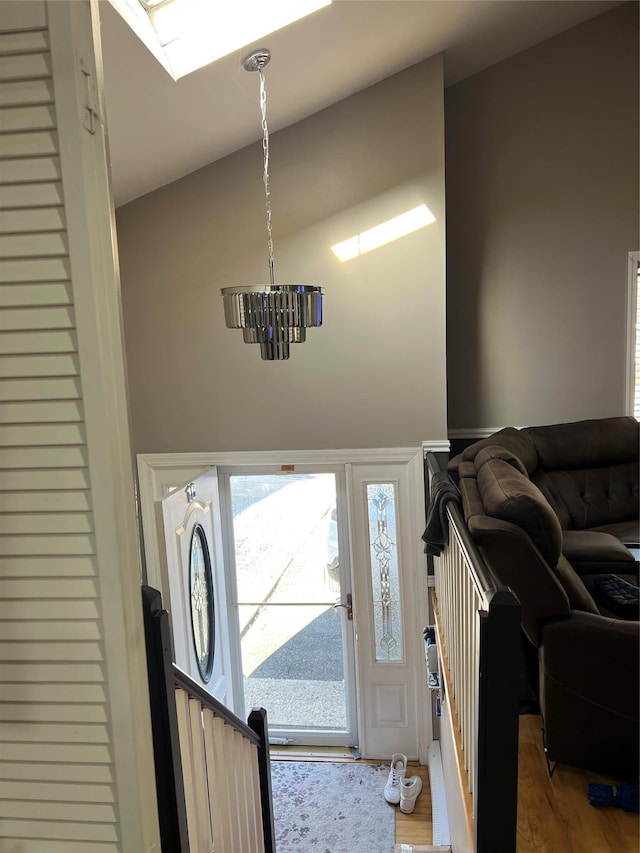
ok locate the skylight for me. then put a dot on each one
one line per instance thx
(185, 35)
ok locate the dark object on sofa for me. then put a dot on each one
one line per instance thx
(525, 492)
(617, 596)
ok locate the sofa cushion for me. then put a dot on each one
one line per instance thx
(585, 444)
(495, 451)
(595, 546)
(471, 502)
(626, 531)
(591, 497)
(466, 469)
(507, 494)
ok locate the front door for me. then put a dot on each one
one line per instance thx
(371, 540)
(194, 577)
(291, 593)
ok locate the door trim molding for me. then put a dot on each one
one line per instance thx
(158, 461)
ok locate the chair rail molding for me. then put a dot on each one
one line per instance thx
(435, 446)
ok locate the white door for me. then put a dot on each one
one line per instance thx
(193, 570)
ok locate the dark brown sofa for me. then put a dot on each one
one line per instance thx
(552, 508)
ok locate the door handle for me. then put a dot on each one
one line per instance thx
(348, 606)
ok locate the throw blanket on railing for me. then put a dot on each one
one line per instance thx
(436, 534)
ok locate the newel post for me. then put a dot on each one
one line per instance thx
(258, 722)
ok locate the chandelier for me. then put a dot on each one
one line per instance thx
(272, 315)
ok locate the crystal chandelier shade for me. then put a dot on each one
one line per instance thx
(272, 315)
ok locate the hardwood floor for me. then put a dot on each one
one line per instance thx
(554, 815)
(416, 828)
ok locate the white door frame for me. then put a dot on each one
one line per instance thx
(159, 473)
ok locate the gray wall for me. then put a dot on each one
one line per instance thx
(542, 209)
(374, 374)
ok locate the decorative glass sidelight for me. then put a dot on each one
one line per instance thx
(385, 585)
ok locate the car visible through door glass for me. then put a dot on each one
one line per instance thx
(332, 569)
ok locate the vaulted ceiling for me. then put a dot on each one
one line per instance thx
(161, 130)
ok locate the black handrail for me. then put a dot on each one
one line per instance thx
(258, 722)
(194, 689)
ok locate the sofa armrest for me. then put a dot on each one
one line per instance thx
(514, 561)
(589, 692)
(596, 657)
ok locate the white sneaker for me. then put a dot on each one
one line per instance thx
(396, 775)
(409, 790)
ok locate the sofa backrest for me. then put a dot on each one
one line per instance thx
(588, 470)
(585, 444)
(511, 439)
(507, 494)
(591, 497)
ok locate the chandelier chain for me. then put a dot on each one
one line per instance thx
(267, 188)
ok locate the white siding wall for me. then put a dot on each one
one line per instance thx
(58, 734)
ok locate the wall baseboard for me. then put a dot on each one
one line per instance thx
(440, 817)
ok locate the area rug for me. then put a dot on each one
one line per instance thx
(322, 807)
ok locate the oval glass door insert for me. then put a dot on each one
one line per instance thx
(201, 596)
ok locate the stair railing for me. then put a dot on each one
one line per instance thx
(478, 637)
(213, 776)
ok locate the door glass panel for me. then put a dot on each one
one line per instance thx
(385, 586)
(292, 666)
(202, 606)
(291, 636)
